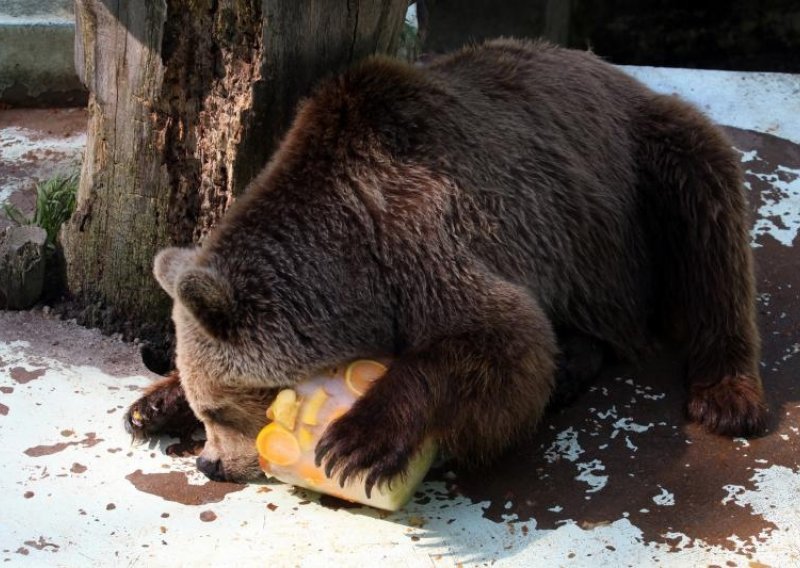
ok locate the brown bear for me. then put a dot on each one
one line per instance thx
(455, 217)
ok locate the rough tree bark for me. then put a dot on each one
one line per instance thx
(188, 100)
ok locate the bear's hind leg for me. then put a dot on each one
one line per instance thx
(695, 195)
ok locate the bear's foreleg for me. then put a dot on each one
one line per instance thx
(162, 409)
(475, 391)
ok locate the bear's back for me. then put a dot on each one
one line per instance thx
(549, 154)
(533, 145)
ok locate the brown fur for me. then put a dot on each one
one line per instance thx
(453, 217)
(162, 409)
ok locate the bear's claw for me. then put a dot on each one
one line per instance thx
(353, 447)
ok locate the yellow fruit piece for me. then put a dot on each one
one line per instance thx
(306, 438)
(360, 375)
(284, 408)
(312, 407)
(277, 445)
(285, 398)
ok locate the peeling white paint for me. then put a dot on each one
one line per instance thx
(587, 475)
(779, 214)
(749, 156)
(629, 425)
(610, 413)
(665, 498)
(732, 491)
(565, 446)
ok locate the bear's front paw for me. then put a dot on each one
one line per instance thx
(163, 409)
(364, 444)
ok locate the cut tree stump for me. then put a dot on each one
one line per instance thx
(188, 101)
(22, 266)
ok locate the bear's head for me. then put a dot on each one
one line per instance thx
(229, 370)
(245, 329)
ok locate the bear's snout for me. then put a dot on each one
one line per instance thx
(211, 468)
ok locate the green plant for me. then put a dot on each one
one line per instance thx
(410, 44)
(55, 202)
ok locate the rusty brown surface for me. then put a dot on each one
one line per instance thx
(174, 486)
(90, 440)
(23, 376)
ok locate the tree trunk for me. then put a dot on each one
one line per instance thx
(188, 100)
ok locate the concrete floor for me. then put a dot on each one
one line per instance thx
(618, 479)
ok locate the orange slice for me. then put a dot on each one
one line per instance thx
(311, 474)
(360, 375)
(277, 445)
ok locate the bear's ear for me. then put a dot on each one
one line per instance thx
(168, 265)
(209, 298)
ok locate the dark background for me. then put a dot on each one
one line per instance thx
(745, 35)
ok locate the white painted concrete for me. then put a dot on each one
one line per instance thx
(765, 102)
(779, 216)
(43, 156)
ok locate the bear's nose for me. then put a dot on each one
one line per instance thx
(211, 468)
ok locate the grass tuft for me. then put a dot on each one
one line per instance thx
(55, 203)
